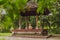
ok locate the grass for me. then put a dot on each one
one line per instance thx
(5, 34)
(2, 39)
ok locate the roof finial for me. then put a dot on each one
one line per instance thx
(33, 0)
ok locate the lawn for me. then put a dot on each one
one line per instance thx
(2, 39)
(5, 34)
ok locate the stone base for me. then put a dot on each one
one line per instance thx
(29, 31)
(32, 36)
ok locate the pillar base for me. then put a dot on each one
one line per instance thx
(19, 28)
(36, 27)
(26, 28)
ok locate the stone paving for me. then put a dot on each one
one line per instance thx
(20, 38)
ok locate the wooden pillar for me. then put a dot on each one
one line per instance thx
(27, 22)
(20, 22)
(36, 21)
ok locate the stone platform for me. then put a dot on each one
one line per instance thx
(29, 31)
(32, 36)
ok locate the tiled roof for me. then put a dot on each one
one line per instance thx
(31, 4)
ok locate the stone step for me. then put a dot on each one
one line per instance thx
(31, 36)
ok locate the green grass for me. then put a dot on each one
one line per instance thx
(2, 39)
(5, 34)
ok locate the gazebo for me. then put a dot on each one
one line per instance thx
(30, 10)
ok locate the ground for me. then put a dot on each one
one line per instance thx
(20, 38)
(7, 36)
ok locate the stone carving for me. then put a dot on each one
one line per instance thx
(30, 27)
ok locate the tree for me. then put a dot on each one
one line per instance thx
(53, 7)
(12, 8)
(42, 4)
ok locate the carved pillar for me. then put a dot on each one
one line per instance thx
(36, 21)
(27, 22)
(20, 22)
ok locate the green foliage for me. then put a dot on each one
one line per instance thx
(32, 21)
(45, 4)
(2, 2)
(12, 8)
